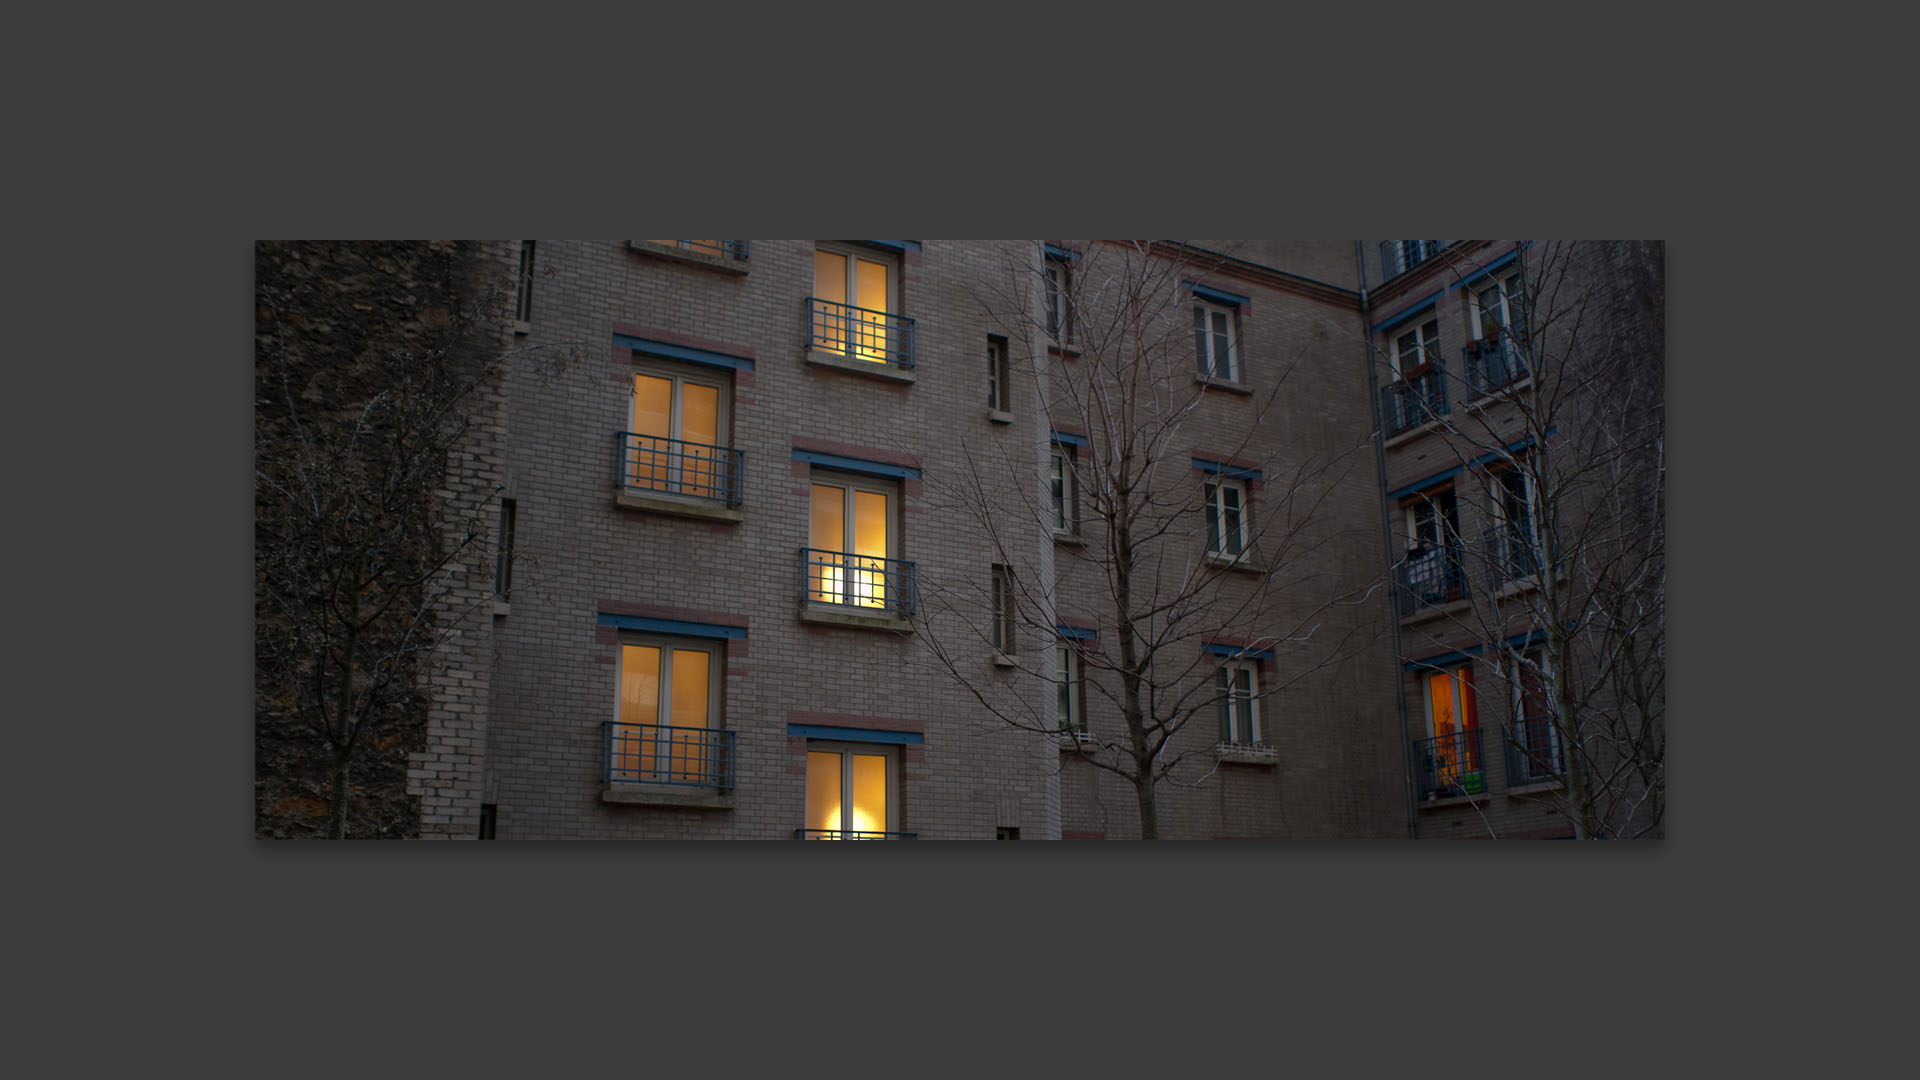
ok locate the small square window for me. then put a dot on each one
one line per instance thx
(1214, 333)
(1238, 685)
(1228, 530)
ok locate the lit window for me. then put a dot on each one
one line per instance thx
(1238, 685)
(676, 441)
(668, 729)
(1063, 501)
(1058, 273)
(1451, 762)
(1227, 527)
(1003, 610)
(852, 791)
(1071, 687)
(1213, 340)
(855, 301)
(999, 381)
(853, 554)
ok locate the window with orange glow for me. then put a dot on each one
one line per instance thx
(668, 689)
(867, 284)
(852, 534)
(679, 424)
(851, 789)
(1451, 713)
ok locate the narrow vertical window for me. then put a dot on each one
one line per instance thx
(503, 559)
(1059, 294)
(1238, 687)
(1227, 532)
(1002, 611)
(1062, 499)
(1213, 340)
(997, 375)
(489, 816)
(1070, 688)
(523, 284)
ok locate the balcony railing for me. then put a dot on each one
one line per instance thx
(860, 333)
(1448, 765)
(1511, 555)
(723, 249)
(1431, 577)
(1491, 365)
(678, 467)
(1412, 402)
(850, 834)
(1399, 256)
(658, 754)
(865, 583)
(1533, 752)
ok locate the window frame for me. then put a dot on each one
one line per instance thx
(1063, 508)
(854, 254)
(1500, 487)
(666, 644)
(890, 753)
(503, 551)
(892, 490)
(678, 377)
(1512, 305)
(1426, 348)
(1464, 691)
(1205, 336)
(1003, 611)
(1535, 662)
(1217, 486)
(523, 285)
(1070, 683)
(999, 375)
(1224, 679)
(1057, 289)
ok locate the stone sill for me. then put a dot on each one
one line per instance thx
(999, 416)
(1536, 788)
(825, 616)
(1209, 383)
(1075, 740)
(723, 263)
(1001, 659)
(682, 795)
(1500, 395)
(1455, 800)
(1074, 539)
(1241, 564)
(1248, 755)
(1413, 433)
(870, 368)
(1071, 352)
(522, 327)
(687, 508)
(501, 607)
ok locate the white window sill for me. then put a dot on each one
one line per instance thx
(686, 795)
(1242, 563)
(872, 369)
(1231, 386)
(1259, 754)
(1075, 740)
(726, 264)
(660, 502)
(999, 416)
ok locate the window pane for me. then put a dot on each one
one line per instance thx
(700, 466)
(1230, 527)
(825, 578)
(1222, 352)
(1065, 675)
(1226, 706)
(869, 792)
(649, 459)
(1059, 492)
(1213, 517)
(1200, 340)
(690, 686)
(823, 790)
(639, 704)
(830, 276)
(870, 541)
(870, 340)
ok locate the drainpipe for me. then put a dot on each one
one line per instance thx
(1386, 530)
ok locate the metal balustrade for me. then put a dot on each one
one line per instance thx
(851, 834)
(1511, 555)
(1533, 751)
(1491, 365)
(860, 333)
(1411, 402)
(659, 754)
(1448, 765)
(866, 583)
(678, 467)
(1431, 577)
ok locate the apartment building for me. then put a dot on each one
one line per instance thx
(1519, 391)
(816, 539)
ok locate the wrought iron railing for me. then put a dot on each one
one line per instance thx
(1399, 256)
(863, 582)
(658, 754)
(1411, 402)
(1533, 751)
(678, 467)
(724, 249)
(1511, 554)
(860, 333)
(1448, 765)
(1491, 365)
(1431, 577)
(851, 834)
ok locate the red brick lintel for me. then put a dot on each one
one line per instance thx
(871, 723)
(671, 338)
(655, 611)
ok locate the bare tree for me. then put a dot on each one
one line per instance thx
(1110, 528)
(1557, 417)
(372, 362)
